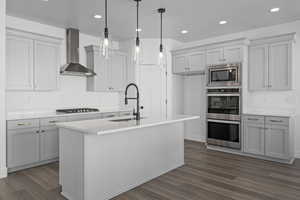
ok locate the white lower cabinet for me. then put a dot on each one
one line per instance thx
(49, 143)
(254, 138)
(32, 142)
(23, 147)
(268, 136)
(277, 141)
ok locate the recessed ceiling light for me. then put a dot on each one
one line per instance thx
(97, 16)
(184, 31)
(138, 30)
(222, 22)
(274, 10)
(45, 0)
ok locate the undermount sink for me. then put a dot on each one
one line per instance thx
(123, 120)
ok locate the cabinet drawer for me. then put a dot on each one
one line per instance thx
(52, 121)
(109, 115)
(26, 123)
(283, 121)
(254, 119)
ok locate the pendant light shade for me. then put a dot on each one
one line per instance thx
(105, 43)
(161, 55)
(137, 48)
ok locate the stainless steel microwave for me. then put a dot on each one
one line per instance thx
(224, 75)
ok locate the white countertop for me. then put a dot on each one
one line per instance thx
(106, 126)
(275, 113)
(45, 114)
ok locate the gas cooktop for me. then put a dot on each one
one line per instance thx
(77, 110)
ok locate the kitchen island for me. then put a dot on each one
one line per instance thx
(102, 158)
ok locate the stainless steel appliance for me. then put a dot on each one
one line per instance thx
(223, 117)
(73, 67)
(224, 133)
(224, 75)
(77, 110)
(223, 103)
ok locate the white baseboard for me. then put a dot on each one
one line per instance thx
(195, 137)
(3, 172)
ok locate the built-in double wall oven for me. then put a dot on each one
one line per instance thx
(223, 111)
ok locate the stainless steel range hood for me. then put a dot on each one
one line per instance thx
(73, 67)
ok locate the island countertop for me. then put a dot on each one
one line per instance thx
(108, 125)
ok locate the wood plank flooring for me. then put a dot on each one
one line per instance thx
(207, 175)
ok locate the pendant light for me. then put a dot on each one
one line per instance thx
(161, 48)
(137, 40)
(105, 43)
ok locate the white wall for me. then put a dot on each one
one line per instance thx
(72, 90)
(195, 104)
(287, 101)
(3, 171)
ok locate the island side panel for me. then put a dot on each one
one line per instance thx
(71, 164)
(118, 162)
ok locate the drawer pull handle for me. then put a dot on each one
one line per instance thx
(276, 121)
(52, 122)
(253, 119)
(23, 124)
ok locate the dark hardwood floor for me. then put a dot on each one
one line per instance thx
(207, 175)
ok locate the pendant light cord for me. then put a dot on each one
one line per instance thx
(161, 27)
(105, 13)
(137, 19)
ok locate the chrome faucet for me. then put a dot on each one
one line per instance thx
(137, 98)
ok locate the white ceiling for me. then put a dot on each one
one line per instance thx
(200, 17)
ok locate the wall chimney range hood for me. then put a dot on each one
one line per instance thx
(73, 67)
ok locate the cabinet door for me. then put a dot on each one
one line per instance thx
(214, 56)
(46, 65)
(277, 141)
(19, 63)
(233, 54)
(280, 66)
(258, 67)
(117, 72)
(101, 81)
(197, 61)
(22, 147)
(180, 64)
(49, 143)
(254, 138)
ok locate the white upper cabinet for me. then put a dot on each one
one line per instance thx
(194, 60)
(214, 56)
(280, 65)
(180, 64)
(111, 73)
(189, 63)
(19, 63)
(32, 62)
(197, 61)
(118, 71)
(227, 54)
(46, 65)
(233, 54)
(258, 74)
(270, 63)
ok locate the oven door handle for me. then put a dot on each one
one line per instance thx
(223, 95)
(224, 121)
